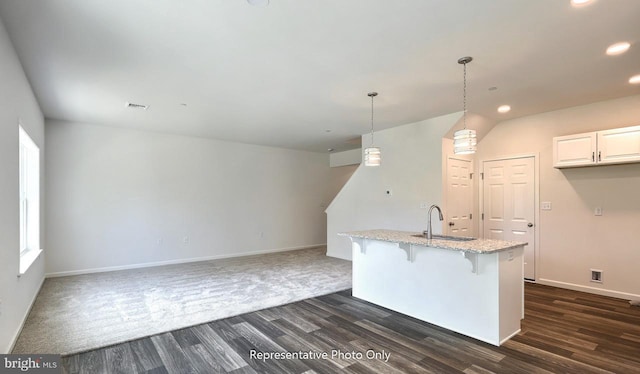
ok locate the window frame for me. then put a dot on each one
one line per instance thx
(23, 197)
(28, 199)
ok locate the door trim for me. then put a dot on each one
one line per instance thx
(536, 201)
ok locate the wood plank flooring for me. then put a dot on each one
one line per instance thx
(563, 332)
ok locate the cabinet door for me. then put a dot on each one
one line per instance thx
(574, 150)
(619, 146)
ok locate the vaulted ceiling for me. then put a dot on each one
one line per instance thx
(296, 73)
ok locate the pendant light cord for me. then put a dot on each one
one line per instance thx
(464, 96)
(464, 61)
(372, 120)
(372, 95)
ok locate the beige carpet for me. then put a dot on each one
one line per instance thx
(84, 312)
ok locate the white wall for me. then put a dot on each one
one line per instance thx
(572, 239)
(411, 168)
(119, 197)
(16, 101)
(339, 176)
(350, 157)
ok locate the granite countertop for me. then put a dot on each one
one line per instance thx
(475, 246)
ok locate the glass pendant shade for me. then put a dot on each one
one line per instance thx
(464, 142)
(372, 156)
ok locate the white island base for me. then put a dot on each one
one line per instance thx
(480, 295)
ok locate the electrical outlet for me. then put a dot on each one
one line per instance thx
(261, 234)
(185, 240)
(545, 205)
(596, 275)
(598, 211)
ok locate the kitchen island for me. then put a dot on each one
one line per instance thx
(473, 287)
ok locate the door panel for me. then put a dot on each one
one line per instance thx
(519, 212)
(574, 150)
(509, 204)
(459, 198)
(496, 234)
(619, 145)
(497, 201)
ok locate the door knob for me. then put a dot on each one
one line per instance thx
(451, 224)
(530, 224)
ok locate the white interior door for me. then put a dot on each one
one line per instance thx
(459, 198)
(509, 204)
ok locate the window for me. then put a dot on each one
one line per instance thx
(29, 159)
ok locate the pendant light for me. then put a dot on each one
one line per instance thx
(372, 155)
(464, 141)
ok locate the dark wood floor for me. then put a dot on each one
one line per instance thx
(563, 332)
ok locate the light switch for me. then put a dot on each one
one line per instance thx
(598, 211)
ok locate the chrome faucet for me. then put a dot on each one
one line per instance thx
(429, 230)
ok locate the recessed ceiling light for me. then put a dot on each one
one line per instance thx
(504, 108)
(258, 2)
(493, 88)
(618, 48)
(330, 149)
(580, 2)
(635, 79)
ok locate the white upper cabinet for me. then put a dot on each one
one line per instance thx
(619, 146)
(574, 150)
(616, 146)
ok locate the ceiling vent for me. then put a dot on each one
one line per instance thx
(136, 106)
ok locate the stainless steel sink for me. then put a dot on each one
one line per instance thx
(447, 237)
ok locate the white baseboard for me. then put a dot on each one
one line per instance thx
(594, 290)
(14, 340)
(174, 262)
